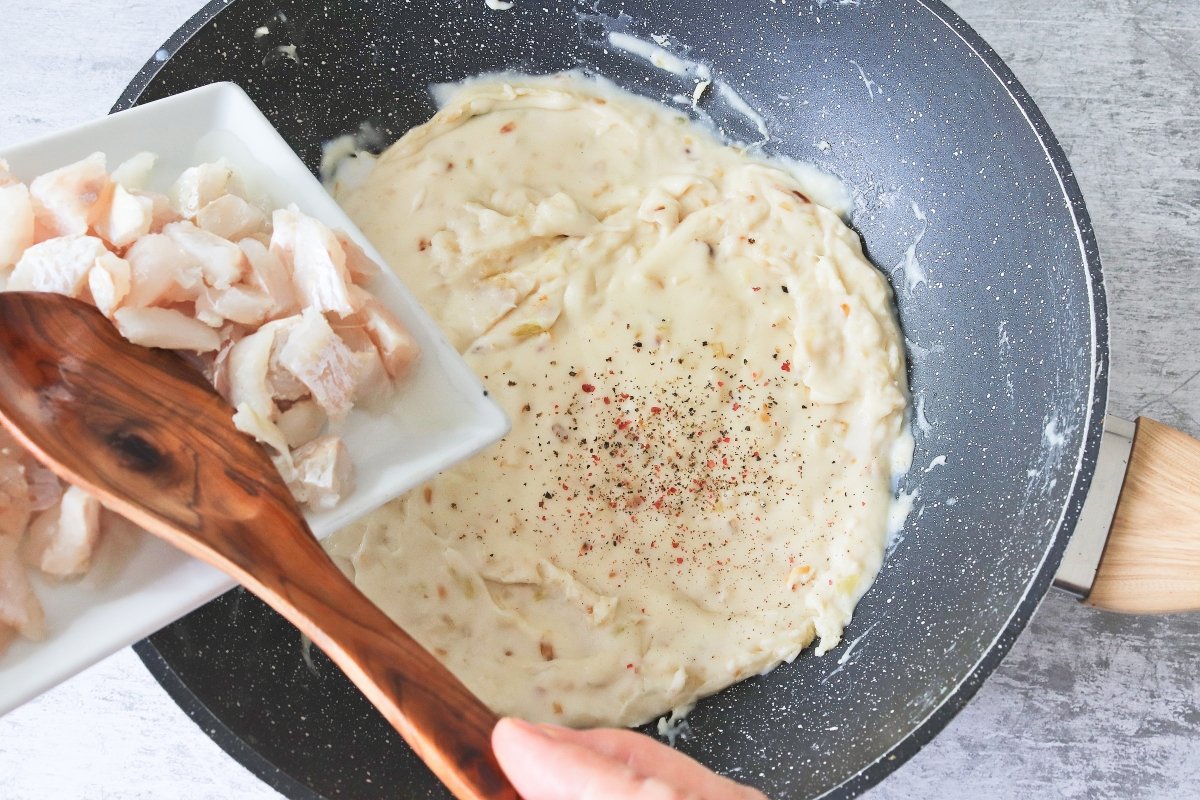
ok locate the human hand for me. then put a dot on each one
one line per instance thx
(546, 762)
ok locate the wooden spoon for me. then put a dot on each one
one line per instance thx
(145, 433)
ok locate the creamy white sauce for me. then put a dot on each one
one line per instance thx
(706, 382)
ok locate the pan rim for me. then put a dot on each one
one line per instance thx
(953, 702)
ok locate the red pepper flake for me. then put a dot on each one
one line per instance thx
(756, 288)
(658, 503)
(509, 127)
(679, 560)
(655, 410)
(711, 463)
(622, 424)
(608, 401)
(589, 388)
(786, 366)
(736, 406)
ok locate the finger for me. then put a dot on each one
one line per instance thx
(649, 757)
(545, 768)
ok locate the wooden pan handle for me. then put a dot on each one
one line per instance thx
(1151, 563)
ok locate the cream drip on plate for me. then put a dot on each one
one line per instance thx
(707, 387)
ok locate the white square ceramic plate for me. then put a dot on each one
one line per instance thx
(440, 416)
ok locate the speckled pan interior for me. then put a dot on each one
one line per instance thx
(962, 196)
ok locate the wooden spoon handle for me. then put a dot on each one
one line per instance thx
(448, 727)
(144, 432)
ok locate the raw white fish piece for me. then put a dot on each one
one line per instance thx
(16, 223)
(221, 262)
(396, 346)
(249, 422)
(128, 218)
(236, 304)
(166, 328)
(162, 272)
(45, 489)
(64, 199)
(198, 186)
(218, 369)
(374, 382)
(163, 213)
(323, 472)
(362, 267)
(283, 385)
(316, 258)
(6, 176)
(232, 218)
(312, 352)
(134, 173)
(57, 265)
(62, 540)
(249, 363)
(15, 504)
(302, 423)
(269, 274)
(109, 282)
(20, 609)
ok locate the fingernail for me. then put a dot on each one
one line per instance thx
(551, 730)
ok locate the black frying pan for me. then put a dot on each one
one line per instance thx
(1007, 344)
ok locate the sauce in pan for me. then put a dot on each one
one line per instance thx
(707, 387)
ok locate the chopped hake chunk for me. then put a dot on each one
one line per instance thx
(250, 422)
(58, 265)
(161, 272)
(247, 366)
(232, 218)
(374, 383)
(19, 606)
(199, 186)
(163, 213)
(166, 328)
(128, 218)
(109, 282)
(302, 423)
(323, 472)
(45, 489)
(65, 199)
(236, 304)
(316, 258)
(318, 358)
(396, 346)
(134, 172)
(269, 274)
(222, 262)
(362, 267)
(15, 505)
(61, 540)
(16, 223)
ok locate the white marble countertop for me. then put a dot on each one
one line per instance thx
(1088, 705)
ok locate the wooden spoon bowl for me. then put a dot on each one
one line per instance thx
(146, 434)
